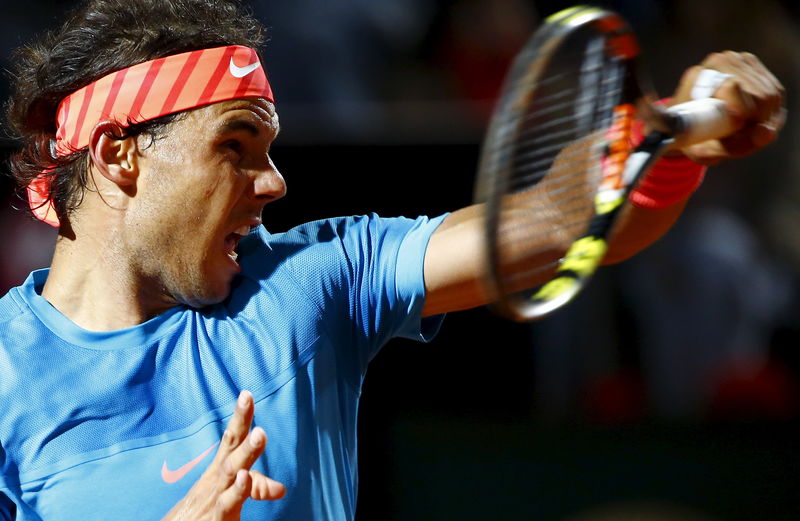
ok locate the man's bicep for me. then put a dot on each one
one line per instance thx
(455, 261)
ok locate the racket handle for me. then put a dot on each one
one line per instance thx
(700, 120)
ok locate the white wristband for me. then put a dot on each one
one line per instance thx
(707, 83)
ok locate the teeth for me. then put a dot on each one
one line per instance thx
(242, 230)
(233, 255)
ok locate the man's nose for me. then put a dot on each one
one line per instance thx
(269, 183)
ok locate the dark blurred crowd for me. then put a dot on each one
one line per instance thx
(700, 325)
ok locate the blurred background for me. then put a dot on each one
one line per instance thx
(668, 391)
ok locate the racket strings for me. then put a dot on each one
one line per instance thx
(530, 173)
(531, 160)
(570, 222)
(565, 231)
(531, 139)
(515, 120)
(567, 163)
(510, 226)
(563, 206)
(550, 182)
(548, 151)
(537, 170)
(558, 188)
(561, 212)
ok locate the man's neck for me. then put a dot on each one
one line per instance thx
(94, 286)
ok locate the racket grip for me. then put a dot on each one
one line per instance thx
(700, 120)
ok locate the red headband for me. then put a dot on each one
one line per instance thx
(147, 91)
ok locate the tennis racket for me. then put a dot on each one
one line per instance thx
(558, 161)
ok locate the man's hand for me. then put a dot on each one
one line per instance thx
(227, 483)
(753, 96)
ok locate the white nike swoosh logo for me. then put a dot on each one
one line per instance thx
(241, 72)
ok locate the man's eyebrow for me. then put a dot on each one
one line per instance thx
(233, 125)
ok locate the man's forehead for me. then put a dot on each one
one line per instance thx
(261, 108)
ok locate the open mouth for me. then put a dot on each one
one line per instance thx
(232, 242)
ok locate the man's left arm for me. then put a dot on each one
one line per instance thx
(455, 259)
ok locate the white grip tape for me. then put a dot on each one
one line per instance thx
(702, 119)
(707, 83)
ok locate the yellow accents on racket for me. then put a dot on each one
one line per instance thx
(570, 15)
(584, 255)
(607, 202)
(564, 13)
(555, 288)
(581, 259)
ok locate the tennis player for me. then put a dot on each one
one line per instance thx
(146, 129)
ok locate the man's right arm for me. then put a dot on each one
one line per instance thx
(456, 259)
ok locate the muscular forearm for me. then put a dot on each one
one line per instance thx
(638, 228)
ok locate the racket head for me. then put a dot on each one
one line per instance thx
(566, 108)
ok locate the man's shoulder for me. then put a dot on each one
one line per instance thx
(301, 240)
(326, 246)
(307, 264)
(321, 230)
(337, 232)
(10, 309)
(19, 327)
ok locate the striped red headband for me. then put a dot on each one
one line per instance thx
(147, 91)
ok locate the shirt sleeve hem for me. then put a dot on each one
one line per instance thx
(410, 281)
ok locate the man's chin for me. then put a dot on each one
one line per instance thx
(207, 296)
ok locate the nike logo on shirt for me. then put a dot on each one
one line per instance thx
(241, 72)
(173, 476)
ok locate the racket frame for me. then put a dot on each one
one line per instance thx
(585, 253)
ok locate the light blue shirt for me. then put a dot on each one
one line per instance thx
(97, 426)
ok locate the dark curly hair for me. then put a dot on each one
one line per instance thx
(101, 37)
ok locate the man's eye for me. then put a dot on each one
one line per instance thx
(234, 145)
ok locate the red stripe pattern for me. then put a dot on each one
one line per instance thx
(223, 67)
(160, 87)
(152, 73)
(116, 86)
(180, 82)
(87, 99)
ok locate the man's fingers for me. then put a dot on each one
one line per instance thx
(265, 488)
(740, 104)
(240, 448)
(765, 133)
(238, 426)
(245, 454)
(753, 96)
(760, 94)
(229, 481)
(772, 91)
(231, 500)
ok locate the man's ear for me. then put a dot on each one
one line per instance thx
(116, 159)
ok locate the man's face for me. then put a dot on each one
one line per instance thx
(201, 187)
